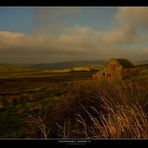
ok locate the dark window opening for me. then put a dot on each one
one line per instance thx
(103, 74)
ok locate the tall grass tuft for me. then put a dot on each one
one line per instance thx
(104, 110)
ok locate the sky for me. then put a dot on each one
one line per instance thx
(53, 34)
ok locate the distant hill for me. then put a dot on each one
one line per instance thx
(142, 66)
(67, 64)
(141, 62)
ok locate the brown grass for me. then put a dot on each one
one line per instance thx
(106, 110)
(38, 126)
(127, 121)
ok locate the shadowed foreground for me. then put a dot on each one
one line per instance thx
(90, 110)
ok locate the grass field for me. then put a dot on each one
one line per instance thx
(26, 91)
(28, 97)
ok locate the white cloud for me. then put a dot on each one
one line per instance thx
(80, 41)
(133, 16)
(7, 34)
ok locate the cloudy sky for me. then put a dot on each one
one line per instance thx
(51, 34)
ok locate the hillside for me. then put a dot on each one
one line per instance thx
(67, 64)
(54, 96)
(142, 66)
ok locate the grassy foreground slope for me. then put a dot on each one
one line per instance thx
(37, 103)
(26, 91)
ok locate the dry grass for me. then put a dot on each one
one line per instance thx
(38, 125)
(128, 121)
(107, 110)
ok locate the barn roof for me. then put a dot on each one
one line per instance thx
(124, 62)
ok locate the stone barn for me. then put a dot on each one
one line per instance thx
(115, 69)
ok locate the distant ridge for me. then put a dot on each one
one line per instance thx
(141, 62)
(67, 64)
